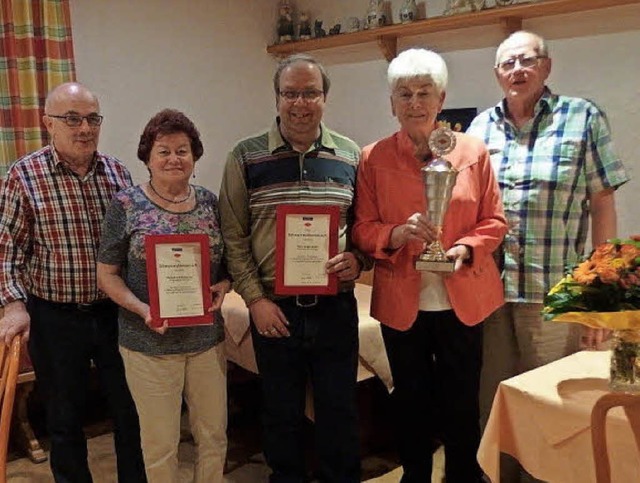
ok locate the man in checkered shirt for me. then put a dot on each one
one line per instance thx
(52, 203)
(556, 167)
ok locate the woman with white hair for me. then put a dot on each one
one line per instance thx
(431, 323)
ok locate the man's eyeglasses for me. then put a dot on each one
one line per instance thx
(74, 120)
(309, 95)
(525, 62)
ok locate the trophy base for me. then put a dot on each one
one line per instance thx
(446, 266)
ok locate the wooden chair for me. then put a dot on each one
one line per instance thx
(631, 405)
(9, 366)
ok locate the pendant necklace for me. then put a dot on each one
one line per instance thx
(176, 202)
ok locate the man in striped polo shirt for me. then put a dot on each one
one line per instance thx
(554, 161)
(297, 338)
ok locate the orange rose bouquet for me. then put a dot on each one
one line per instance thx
(603, 291)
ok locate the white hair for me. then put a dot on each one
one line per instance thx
(540, 45)
(415, 63)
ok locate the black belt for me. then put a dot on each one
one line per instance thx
(305, 301)
(88, 307)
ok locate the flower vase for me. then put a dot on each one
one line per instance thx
(625, 361)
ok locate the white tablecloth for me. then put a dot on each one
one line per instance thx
(542, 418)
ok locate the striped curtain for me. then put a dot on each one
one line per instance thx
(36, 54)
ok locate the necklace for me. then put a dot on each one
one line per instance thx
(176, 202)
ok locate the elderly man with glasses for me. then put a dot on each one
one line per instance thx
(554, 160)
(298, 337)
(51, 207)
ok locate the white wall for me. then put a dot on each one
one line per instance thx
(204, 57)
(207, 57)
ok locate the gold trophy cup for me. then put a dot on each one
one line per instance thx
(439, 178)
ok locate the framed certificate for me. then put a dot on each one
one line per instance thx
(306, 238)
(178, 279)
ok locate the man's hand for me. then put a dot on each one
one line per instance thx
(417, 227)
(15, 321)
(268, 319)
(345, 265)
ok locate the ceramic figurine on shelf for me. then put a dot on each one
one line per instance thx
(285, 22)
(318, 30)
(375, 14)
(353, 24)
(454, 7)
(408, 11)
(335, 30)
(304, 26)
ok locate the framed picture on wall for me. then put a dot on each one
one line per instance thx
(458, 119)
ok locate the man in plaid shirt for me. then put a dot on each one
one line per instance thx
(51, 207)
(555, 164)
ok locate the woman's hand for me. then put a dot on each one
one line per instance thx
(458, 253)
(218, 291)
(418, 227)
(144, 311)
(345, 265)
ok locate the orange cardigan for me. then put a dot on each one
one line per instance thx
(389, 189)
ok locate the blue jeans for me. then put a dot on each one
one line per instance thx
(436, 374)
(64, 340)
(322, 348)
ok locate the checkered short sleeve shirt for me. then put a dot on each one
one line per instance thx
(547, 171)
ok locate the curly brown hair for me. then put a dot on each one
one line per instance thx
(168, 121)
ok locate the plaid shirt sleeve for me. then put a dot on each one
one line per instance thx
(604, 169)
(14, 239)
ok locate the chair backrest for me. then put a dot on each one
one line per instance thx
(9, 366)
(631, 405)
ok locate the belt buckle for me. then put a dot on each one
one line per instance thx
(301, 301)
(84, 307)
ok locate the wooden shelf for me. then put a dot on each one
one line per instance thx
(509, 18)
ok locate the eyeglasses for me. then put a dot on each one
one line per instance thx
(525, 62)
(308, 95)
(74, 120)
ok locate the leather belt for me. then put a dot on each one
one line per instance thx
(89, 307)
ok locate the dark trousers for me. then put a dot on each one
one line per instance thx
(322, 348)
(63, 342)
(436, 374)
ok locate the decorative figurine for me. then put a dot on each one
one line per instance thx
(408, 11)
(318, 30)
(335, 30)
(455, 7)
(285, 22)
(375, 14)
(304, 26)
(353, 24)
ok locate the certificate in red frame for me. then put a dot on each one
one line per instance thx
(306, 238)
(178, 279)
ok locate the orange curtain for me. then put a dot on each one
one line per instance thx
(36, 54)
